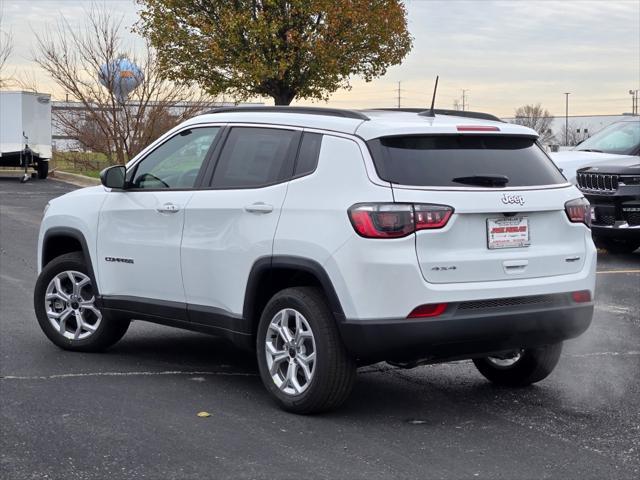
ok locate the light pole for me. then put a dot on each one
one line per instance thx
(634, 101)
(566, 118)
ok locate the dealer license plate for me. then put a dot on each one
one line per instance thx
(508, 232)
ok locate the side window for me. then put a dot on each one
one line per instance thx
(255, 156)
(176, 163)
(308, 154)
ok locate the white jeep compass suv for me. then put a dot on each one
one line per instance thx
(329, 239)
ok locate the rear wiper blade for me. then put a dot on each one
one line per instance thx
(483, 180)
(590, 150)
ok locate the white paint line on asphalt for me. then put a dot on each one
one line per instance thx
(613, 309)
(124, 374)
(604, 354)
(619, 271)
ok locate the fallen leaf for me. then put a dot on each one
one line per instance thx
(204, 414)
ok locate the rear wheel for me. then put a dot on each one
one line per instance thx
(617, 246)
(65, 303)
(520, 368)
(302, 360)
(43, 169)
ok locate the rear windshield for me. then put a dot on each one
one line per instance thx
(423, 160)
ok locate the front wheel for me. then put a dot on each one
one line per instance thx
(522, 367)
(65, 303)
(302, 360)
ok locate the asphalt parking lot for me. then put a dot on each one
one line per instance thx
(132, 412)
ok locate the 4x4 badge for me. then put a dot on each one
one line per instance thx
(512, 199)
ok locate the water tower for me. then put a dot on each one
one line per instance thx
(121, 76)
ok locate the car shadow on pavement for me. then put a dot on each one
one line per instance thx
(379, 389)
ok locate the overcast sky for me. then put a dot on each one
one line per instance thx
(504, 53)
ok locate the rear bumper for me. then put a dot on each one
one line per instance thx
(458, 334)
(621, 231)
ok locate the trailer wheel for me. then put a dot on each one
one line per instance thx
(43, 169)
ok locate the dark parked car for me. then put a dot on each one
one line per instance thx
(614, 194)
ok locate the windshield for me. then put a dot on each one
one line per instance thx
(622, 138)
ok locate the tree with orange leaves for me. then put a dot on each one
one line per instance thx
(283, 49)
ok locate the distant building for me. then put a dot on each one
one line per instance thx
(583, 126)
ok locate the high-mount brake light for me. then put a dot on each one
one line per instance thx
(579, 211)
(477, 128)
(396, 220)
(429, 310)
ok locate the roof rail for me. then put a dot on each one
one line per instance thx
(453, 113)
(330, 112)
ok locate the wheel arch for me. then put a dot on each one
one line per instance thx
(62, 240)
(274, 273)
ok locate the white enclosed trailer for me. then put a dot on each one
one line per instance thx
(25, 131)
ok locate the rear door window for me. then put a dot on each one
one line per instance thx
(436, 160)
(253, 157)
(308, 154)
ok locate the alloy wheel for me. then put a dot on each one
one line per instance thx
(506, 361)
(290, 350)
(70, 305)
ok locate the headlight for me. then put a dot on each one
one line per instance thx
(630, 179)
(46, 207)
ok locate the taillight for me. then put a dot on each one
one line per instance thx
(429, 310)
(431, 216)
(395, 220)
(582, 296)
(579, 211)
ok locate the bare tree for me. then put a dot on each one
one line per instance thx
(103, 119)
(574, 135)
(538, 119)
(6, 47)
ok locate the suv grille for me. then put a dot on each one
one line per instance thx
(538, 300)
(598, 181)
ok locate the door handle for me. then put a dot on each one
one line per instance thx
(515, 266)
(259, 207)
(168, 208)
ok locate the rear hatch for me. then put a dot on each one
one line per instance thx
(508, 198)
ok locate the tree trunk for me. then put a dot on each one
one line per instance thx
(283, 97)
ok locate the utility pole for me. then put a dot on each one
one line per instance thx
(464, 91)
(566, 118)
(399, 94)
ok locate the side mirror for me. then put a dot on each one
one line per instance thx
(113, 177)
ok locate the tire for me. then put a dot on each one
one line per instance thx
(532, 365)
(43, 169)
(332, 369)
(96, 332)
(617, 246)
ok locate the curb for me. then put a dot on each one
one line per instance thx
(74, 179)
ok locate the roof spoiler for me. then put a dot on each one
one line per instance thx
(437, 111)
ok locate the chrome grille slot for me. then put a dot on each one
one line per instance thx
(597, 182)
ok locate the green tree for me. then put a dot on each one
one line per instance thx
(283, 49)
